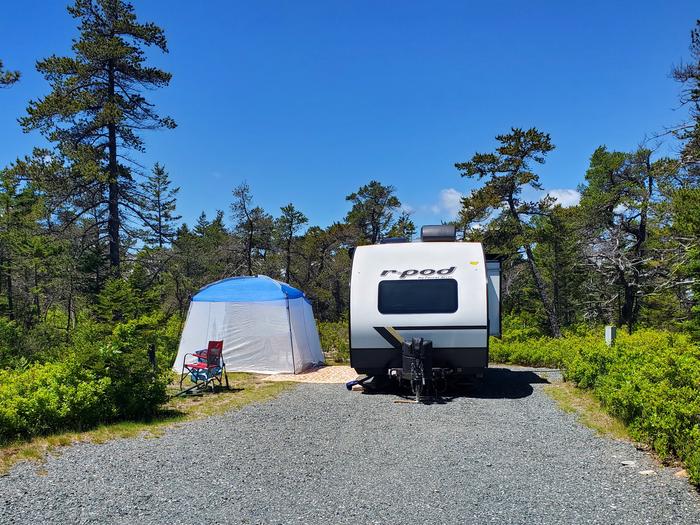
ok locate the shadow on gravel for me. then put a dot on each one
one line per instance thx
(503, 383)
(499, 383)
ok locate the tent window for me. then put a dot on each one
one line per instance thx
(425, 296)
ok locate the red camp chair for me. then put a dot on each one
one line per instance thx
(209, 368)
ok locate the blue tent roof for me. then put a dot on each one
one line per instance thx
(246, 289)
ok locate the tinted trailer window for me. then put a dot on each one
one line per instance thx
(425, 296)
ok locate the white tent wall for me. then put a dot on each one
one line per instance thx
(312, 334)
(255, 335)
(194, 333)
(302, 356)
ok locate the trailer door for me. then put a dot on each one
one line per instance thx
(493, 276)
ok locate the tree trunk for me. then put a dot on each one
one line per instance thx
(632, 305)
(289, 253)
(338, 299)
(113, 196)
(160, 220)
(627, 311)
(249, 258)
(539, 283)
(10, 302)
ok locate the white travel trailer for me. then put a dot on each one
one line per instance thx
(439, 289)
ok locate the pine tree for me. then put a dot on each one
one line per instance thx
(253, 226)
(96, 109)
(373, 209)
(688, 75)
(159, 207)
(288, 225)
(508, 172)
(7, 78)
(404, 227)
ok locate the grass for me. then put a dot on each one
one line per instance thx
(245, 389)
(588, 409)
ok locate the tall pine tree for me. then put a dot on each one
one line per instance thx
(288, 225)
(96, 109)
(508, 171)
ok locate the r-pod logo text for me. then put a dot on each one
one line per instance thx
(426, 272)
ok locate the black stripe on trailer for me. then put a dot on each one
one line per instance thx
(389, 337)
(442, 327)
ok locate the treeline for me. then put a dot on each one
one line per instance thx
(626, 254)
(82, 214)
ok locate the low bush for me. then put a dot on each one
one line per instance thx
(334, 340)
(650, 380)
(103, 375)
(50, 397)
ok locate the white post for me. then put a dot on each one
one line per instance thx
(610, 335)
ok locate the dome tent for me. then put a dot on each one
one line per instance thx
(267, 326)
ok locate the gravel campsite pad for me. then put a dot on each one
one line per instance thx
(321, 454)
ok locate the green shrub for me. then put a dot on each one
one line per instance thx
(518, 328)
(136, 388)
(650, 380)
(50, 397)
(334, 340)
(102, 375)
(169, 340)
(45, 342)
(540, 351)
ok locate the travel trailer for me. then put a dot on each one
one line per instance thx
(441, 290)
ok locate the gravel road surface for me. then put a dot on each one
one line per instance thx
(320, 454)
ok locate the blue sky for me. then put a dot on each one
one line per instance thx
(308, 100)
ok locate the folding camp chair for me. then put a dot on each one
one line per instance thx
(209, 367)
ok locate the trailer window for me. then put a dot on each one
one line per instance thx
(425, 296)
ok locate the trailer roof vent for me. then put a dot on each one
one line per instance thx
(438, 232)
(393, 240)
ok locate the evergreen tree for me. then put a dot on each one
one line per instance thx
(621, 204)
(287, 226)
(688, 75)
(686, 201)
(403, 227)
(508, 172)
(96, 108)
(159, 207)
(253, 227)
(373, 209)
(686, 208)
(7, 78)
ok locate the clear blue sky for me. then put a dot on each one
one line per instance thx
(307, 100)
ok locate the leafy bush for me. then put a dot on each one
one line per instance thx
(136, 388)
(650, 380)
(518, 328)
(49, 397)
(334, 340)
(44, 342)
(102, 375)
(539, 351)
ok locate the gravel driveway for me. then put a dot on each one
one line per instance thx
(320, 454)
